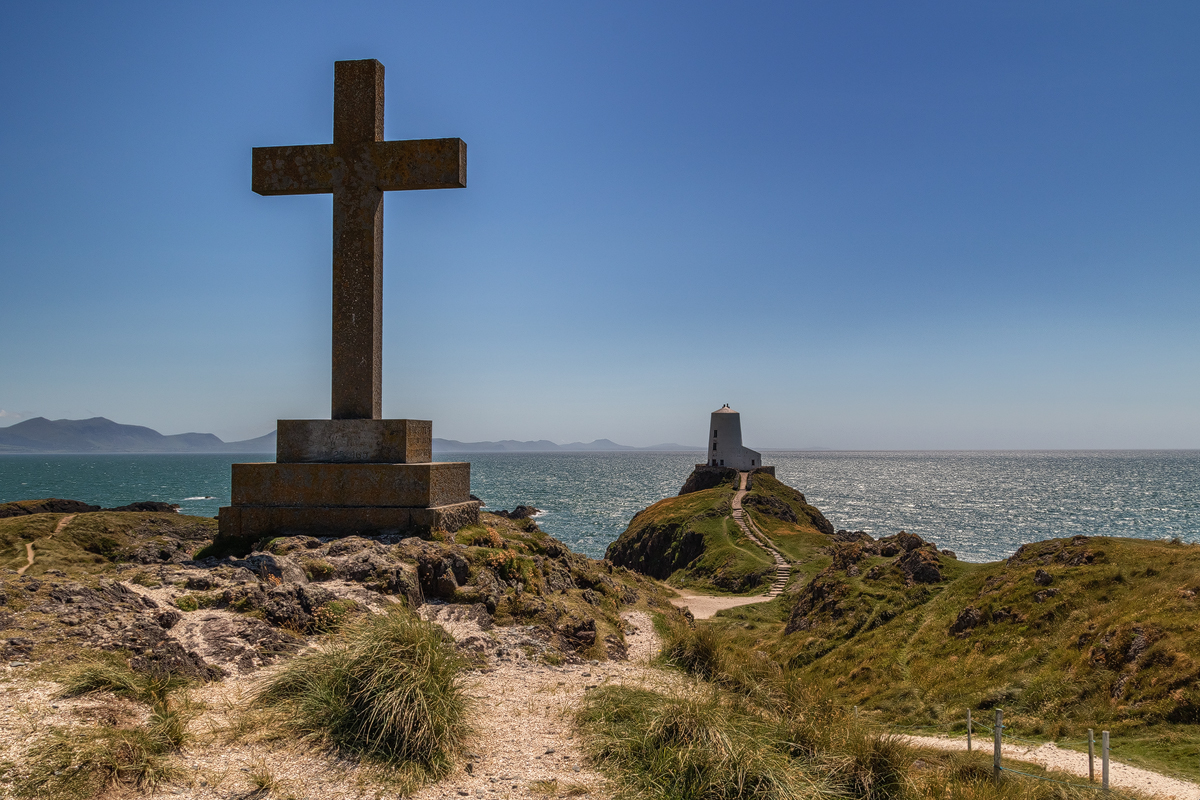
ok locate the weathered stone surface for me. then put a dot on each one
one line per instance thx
(258, 521)
(354, 441)
(352, 485)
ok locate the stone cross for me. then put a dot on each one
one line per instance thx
(357, 169)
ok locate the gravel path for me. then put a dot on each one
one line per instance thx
(1050, 756)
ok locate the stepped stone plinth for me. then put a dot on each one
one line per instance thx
(341, 477)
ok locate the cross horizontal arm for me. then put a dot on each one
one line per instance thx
(390, 166)
(295, 169)
(420, 164)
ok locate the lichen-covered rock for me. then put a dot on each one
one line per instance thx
(968, 619)
(921, 565)
(268, 565)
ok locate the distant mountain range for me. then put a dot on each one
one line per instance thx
(100, 435)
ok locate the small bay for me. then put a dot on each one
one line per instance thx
(983, 505)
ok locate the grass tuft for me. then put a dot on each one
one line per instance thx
(385, 688)
(81, 762)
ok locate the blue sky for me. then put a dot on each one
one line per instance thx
(863, 225)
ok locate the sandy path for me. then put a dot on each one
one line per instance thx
(62, 523)
(703, 606)
(524, 733)
(1050, 756)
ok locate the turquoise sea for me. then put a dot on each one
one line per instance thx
(982, 505)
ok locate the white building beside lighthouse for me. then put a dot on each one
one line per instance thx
(725, 442)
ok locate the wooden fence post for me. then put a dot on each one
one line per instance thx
(996, 747)
(1104, 760)
(968, 730)
(1091, 756)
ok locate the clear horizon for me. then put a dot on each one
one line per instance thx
(928, 226)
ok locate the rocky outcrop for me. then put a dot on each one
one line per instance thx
(50, 505)
(54, 505)
(657, 550)
(520, 512)
(703, 477)
(148, 505)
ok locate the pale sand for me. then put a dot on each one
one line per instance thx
(703, 606)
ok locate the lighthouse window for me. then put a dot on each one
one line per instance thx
(714, 447)
(714, 434)
(722, 462)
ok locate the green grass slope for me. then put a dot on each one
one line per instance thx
(1066, 634)
(691, 540)
(92, 542)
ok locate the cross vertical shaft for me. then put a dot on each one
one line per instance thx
(357, 388)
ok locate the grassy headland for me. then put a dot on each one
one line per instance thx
(1066, 635)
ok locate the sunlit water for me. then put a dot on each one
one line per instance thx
(982, 505)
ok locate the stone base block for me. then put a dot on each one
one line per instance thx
(354, 441)
(256, 522)
(345, 499)
(355, 485)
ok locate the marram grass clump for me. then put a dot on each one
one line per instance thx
(385, 688)
(80, 762)
(691, 747)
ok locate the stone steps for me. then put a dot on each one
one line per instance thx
(783, 569)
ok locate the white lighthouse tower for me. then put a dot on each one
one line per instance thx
(725, 442)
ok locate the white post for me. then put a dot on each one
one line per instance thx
(968, 730)
(1091, 756)
(1104, 760)
(996, 747)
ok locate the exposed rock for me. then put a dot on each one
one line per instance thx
(659, 551)
(520, 512)
(1042, 578)
(820, 596)
(285, 545)
(148, 505)
(921, 565)
(968, 619)
(708, 478)
(771, 506)
(50, 505)
(267, 566)
(846, 555)
(1007, 614)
